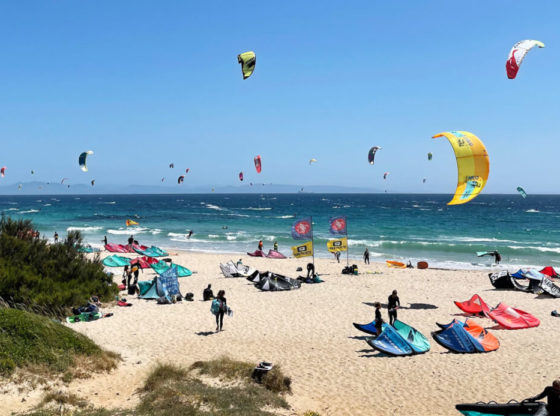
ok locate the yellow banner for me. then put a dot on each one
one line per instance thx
(337, 245)
(303, 250)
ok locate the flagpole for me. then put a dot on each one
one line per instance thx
(312, 245)
(347, 242)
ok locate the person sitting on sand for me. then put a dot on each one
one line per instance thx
(207, 293)
(378, 318)
(552, 394)
(394, 304)
(239, 262)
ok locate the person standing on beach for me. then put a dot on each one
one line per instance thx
(552, 394)
(221, 298)
(276, 246)
(105, 240)
(394, 304)
(55, 237)
(131, 240)
(261, 245)
(378, 318)
(366, 256)
(125, 275)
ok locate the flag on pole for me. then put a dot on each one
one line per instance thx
(337, 245)
(338, 225)
(302, 229)
(303, 250)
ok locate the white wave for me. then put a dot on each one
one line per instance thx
(155, 231)
(215, 207)
(110, 202)
(177, 235)
(475, 240)
(39, 200)
(285, 216)
(29, 211)
(256, 209)
(12, 209)
(541, 249)
(270, 238)
(84, 229)
(532, 210)
(213, 236)
(47, 205)
(129, 231)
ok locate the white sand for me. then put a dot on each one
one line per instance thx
(309, 333)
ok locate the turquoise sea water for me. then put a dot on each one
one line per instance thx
(416, 227)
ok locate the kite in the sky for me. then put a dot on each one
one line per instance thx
(522, 192)
(311, 161)
(258, 164)
(171, 165)
(82, 160)
(3, 171)
(130, 222)
(92, 182)
(430, 156)
(162, 179)
(517, 54)
(247, 61)
(424, 180)
(371, 154)
(187, 170)
(241, 176)
(180, 179)
(385, 175)
(33, 172)
(473, 165)
(63, 179)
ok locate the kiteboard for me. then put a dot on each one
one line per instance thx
(397, 264)
(422, 265)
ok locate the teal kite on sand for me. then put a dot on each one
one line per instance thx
(116, 261)
(151, 252)
(162, 267)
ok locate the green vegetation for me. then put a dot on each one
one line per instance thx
(222, 387)
(47, 278)
(44, 347)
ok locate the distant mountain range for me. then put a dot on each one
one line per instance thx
(44, 188)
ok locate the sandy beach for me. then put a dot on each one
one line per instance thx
(309, 333)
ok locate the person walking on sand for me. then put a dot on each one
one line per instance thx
(222, 302)
(261, 245)
(366, 256)
(394, 304)
(552, 394)
(378, 318)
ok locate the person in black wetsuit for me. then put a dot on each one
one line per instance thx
(310, 270)
(378, 317)
(366, 256)
(497, 257)
(552, 394)
(223, 309)
(394, 304)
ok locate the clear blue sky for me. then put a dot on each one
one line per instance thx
(146, 83)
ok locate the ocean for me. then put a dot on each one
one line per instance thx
(393, 226)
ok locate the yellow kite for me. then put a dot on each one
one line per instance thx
(130, 222)
(473, 165)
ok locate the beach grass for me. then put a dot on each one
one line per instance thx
(44, 347)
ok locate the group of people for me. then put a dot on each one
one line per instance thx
(393, 304)
(261, 246)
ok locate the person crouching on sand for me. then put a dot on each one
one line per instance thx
(207, 293)
(552, 394)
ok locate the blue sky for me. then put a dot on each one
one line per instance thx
(147, 83)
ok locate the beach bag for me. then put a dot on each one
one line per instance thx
(215, 307)
(189, 297)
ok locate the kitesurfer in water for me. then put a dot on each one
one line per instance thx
(394, 304)
(552, 394)
(497, 256)
(378, 317)
(366, 256)
(190, 233)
